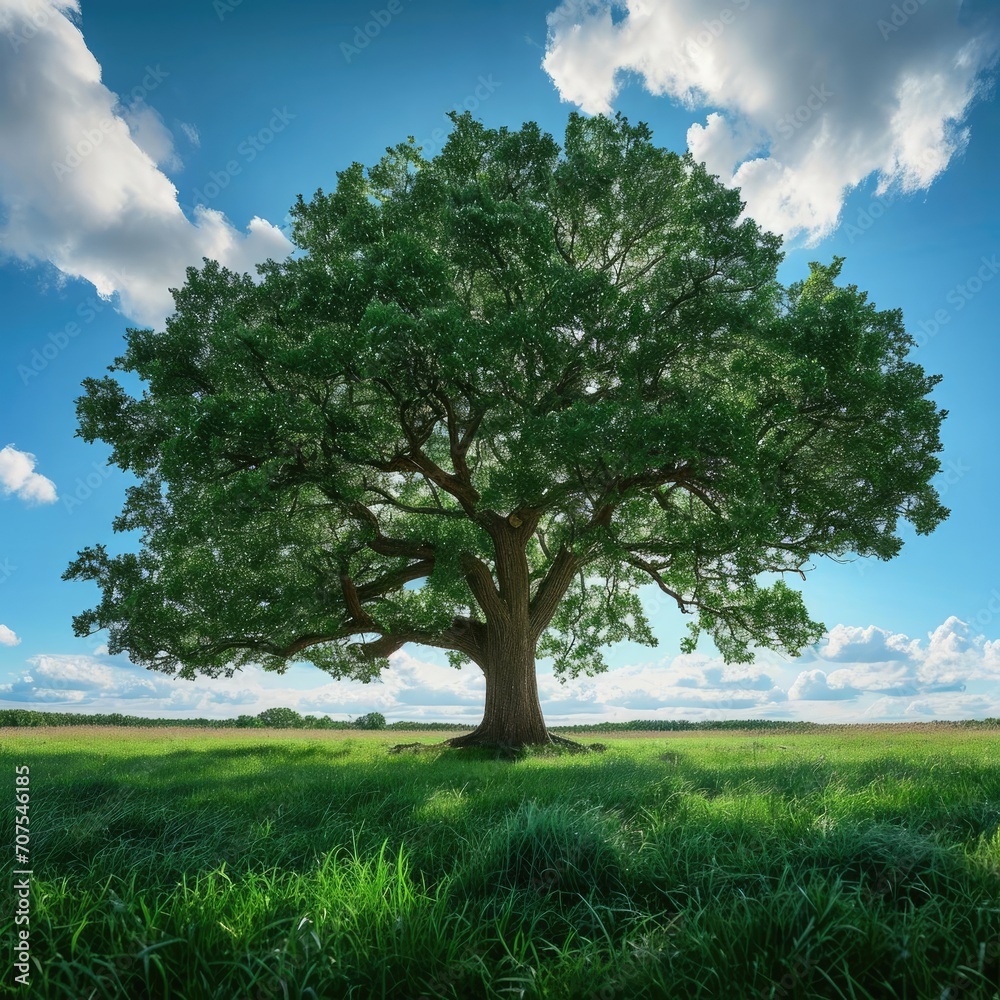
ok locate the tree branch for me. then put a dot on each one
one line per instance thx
(439, 510)
(551, 590)
(659, 581)
(386, 546)
(353, 603)
(465, 635)
(395, 580)
(480, 581)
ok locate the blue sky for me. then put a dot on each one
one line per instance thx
(134, 140)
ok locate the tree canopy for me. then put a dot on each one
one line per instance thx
(532, 378)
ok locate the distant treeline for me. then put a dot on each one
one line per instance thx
(281, 718)
(287, 718)
(671, 725)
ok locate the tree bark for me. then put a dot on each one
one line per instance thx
(512, 716)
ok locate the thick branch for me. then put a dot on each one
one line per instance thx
(480, 581)
(701, 495)
(353, 602)
(464, 635)
(386, 546)
(417, 461)
(395, 580)
(551, 590)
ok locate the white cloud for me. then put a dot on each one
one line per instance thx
(411, 689)
(866, 645)
(80, 673)
(191, 132)
(915, 679)
(955, 654)
(814, 685)
(809, 99)
(18, 476)
(878, 661)
(8, 637)
(889, 677)
(945, 707)
(667, 689)
(151, 135)
(79, 182)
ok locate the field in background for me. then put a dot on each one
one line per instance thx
(285, 863)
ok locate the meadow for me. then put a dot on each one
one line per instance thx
(269, 864)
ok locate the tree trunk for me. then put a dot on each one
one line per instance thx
(512, 716)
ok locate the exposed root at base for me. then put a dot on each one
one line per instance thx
(417, 747)
(502, 751)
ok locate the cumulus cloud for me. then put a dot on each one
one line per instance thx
(913, 679)
(411, 689)
(686, 687)
(666, 689)
(956, 654)
(808, 100)
(8, 637)
(866, 645)
(946, 707)
(877, 661)
(80, 185)
(151, 135)
(18, 477)
(814, 685)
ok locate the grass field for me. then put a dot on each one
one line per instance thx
(276, 864)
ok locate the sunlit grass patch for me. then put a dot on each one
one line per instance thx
(220, 867)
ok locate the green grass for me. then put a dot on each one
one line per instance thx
(224, 866)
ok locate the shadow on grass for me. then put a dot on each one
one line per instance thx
(573, 850)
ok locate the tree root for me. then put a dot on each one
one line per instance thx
(501, 751)
(417, 747)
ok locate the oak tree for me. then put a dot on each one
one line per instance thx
(524, 380)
